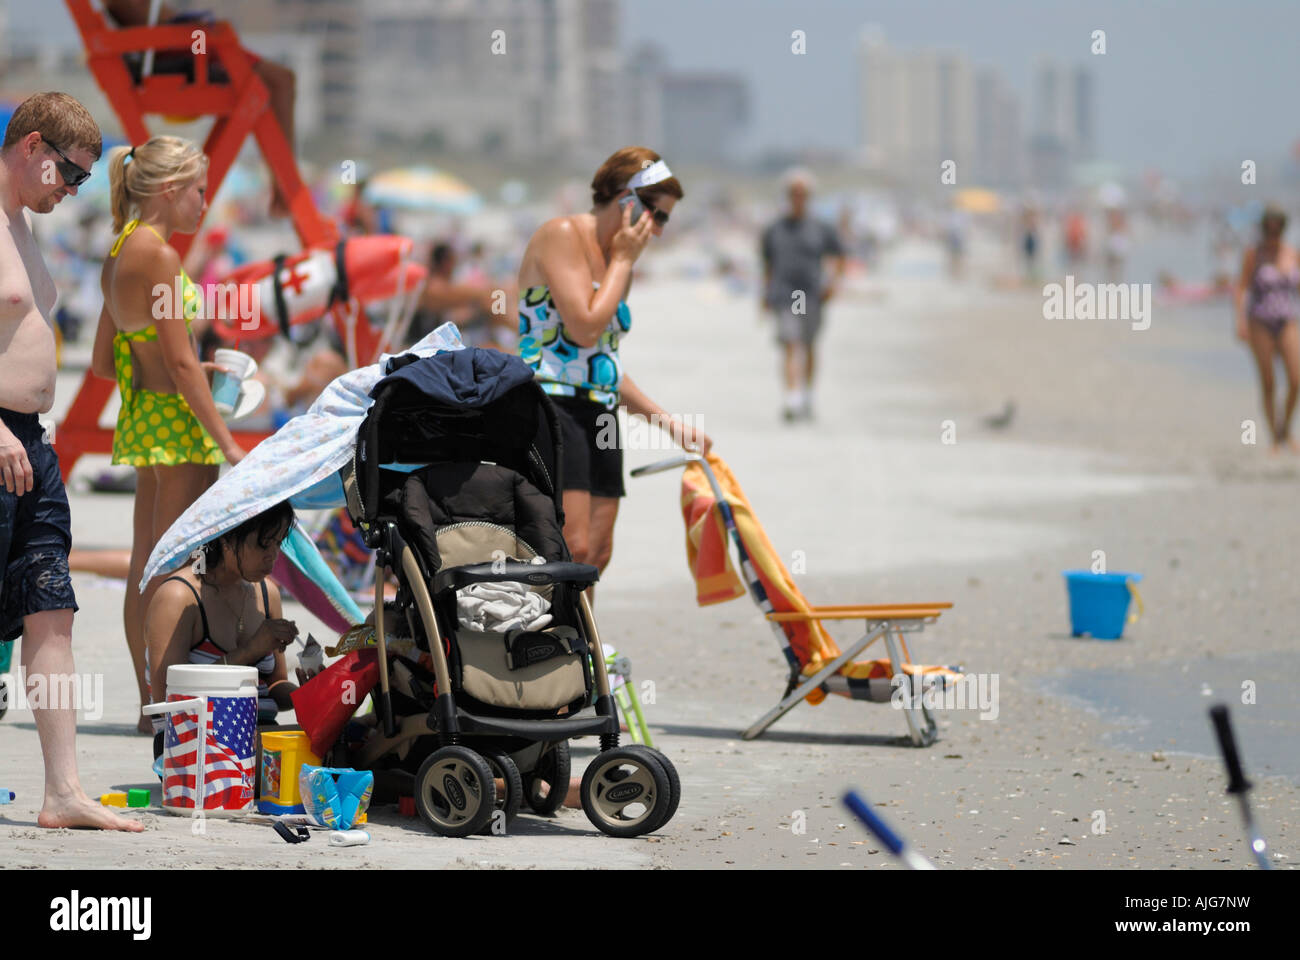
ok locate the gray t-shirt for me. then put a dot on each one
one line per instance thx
(793, 251)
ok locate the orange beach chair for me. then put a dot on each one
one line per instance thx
(717, 513)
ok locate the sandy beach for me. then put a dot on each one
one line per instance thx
(1114, 445)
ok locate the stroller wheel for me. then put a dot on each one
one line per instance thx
(511, 798)
(553, 770)
(626, 793)
(674, 782)
(454, 791)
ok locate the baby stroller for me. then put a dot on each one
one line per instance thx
(456, 483)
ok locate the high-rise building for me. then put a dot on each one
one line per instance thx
(884, 122)
(917, 111)
(704, 116)
(1063, 132)
(521, 79)
(999, 155)
(645, 96)
(689, 117)
(957, 117)
(1084, 133)
(334, 26)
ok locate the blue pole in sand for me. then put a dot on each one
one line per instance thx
(1237, 782)
(862, 810)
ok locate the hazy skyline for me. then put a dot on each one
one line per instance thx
(1183, 87)
(1187, 88)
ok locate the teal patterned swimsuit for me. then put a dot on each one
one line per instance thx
(564, 368)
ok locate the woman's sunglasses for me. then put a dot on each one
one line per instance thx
(660, 217)
(72, 174)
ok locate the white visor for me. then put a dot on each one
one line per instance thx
(657, 172)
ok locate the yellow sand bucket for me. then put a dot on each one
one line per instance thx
(283, 754)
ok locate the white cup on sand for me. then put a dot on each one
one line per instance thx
(226, 387)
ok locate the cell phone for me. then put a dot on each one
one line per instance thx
(638, 208)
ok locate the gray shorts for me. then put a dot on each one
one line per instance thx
(798, 327)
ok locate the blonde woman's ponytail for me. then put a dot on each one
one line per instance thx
(119, 203)
(136, 173)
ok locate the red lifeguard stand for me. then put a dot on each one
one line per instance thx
(241, 106)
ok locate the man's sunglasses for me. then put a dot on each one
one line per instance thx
(72, 174)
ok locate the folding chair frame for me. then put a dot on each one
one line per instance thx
(882, 620)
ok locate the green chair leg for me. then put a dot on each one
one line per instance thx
(629, 703)
(625, 711)
(640, 717)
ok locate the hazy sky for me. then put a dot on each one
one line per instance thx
(1185, 85)
(1182, 85)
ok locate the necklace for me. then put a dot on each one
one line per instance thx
(238, 614)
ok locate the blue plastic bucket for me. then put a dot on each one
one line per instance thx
(1099, 602)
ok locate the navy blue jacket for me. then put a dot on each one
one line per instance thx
(472, 377)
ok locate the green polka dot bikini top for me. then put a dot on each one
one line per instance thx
(191, 297)
(191, 300)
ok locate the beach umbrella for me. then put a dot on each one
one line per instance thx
(422, 188)
(975, 200)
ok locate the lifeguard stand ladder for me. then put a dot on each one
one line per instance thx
(241, 106)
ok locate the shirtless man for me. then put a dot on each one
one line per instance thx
(48, 150)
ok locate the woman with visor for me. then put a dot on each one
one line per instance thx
(574, 280)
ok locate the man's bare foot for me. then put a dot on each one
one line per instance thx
(145, 725)
(1291, 445)
(84, 812)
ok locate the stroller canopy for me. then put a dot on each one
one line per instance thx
(467, 406)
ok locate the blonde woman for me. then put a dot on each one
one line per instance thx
(168, 428)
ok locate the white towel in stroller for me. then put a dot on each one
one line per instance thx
(500, 607)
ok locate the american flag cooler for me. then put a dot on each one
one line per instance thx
(229, 745)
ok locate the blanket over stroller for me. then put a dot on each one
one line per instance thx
(300, 462)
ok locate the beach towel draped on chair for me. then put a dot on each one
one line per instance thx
(715, 509)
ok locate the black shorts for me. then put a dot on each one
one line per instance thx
(593, 447)
(35, 534)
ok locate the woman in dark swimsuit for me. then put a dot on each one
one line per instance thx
(223, 611)
(1267, 307)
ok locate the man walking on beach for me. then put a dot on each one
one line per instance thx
(794, 248)
(49, 147)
